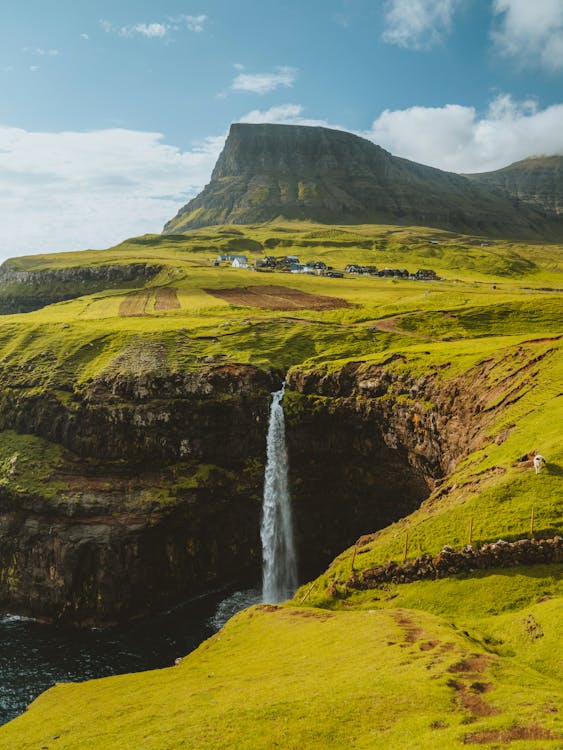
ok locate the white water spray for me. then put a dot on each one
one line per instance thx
(278, 550)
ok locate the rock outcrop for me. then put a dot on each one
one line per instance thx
(361, 438)
(157, 496)
(24, 291)
(266, 172)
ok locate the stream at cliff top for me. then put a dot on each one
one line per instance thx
(34, 656)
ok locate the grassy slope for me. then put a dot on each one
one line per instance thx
(304, 678)
(490, 485)
(312, 681)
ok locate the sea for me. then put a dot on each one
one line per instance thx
(34, 656)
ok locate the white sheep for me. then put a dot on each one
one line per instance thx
(539, 460)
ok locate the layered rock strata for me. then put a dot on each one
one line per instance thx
(158, 494)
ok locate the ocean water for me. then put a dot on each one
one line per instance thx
(35, 656)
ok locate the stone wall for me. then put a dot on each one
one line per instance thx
(449, 562)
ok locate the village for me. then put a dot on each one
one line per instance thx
(292, 264)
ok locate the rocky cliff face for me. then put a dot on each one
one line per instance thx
(159, 493)
(23, 291)
(157, 498)
(536, 183)
(267, 172)
(365, 451)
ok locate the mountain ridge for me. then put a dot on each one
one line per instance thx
(268, 172)
(535, 182)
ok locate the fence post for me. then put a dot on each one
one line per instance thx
(532, 518)
(470, 539)
(406, 549)
(353, 558)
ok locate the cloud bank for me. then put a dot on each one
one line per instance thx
(67, 191)
(530, 32)
(458, 139)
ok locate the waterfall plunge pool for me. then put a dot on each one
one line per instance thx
(34, 656)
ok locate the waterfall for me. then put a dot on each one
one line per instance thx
(278, 551)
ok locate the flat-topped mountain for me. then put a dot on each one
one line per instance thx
(266, 172)
(536, 182)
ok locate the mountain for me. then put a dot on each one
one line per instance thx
(536, 183)
(266, 172)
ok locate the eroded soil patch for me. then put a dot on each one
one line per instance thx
(469, 697)
(410, 629)
(134, 305)
(277, 298)
(166, 298)
(512, 734)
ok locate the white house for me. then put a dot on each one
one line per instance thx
(240, 261)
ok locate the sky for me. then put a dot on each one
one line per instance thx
(112, 114)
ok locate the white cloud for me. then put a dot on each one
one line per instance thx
(530, 32)
(70, 190)
(84, 36)
(40, 52)
(146, 29)
(458, 139)
(263, 83)
(418, 24)
(192, 23)
(284, 114)
(157, 29)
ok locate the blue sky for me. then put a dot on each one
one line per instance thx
(112, 113)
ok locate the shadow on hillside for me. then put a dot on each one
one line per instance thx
(554, 469)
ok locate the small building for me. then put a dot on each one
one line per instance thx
(426, 274)
(240, 261)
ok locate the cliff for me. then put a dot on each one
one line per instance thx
(154, 491)
(535, 183)
(267, 172)
(133, 421)
(24, 290)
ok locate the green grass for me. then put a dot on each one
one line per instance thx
(88, 333)
(490, 485)
(27, 464)
(304, 678)
(332, 671)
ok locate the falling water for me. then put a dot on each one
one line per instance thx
(278, 551)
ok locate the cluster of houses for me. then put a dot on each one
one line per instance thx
(423, 274)
(291, 264)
